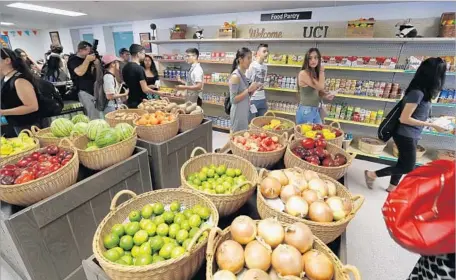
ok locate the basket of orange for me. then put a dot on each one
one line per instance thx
(157, 127)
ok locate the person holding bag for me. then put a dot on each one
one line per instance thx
(414, 109)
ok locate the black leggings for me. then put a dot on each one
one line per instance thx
(406, 161)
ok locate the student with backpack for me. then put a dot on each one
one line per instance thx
(406, 121)
(111, 86)
(19, 100)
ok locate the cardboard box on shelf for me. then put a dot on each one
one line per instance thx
(278, 59)
(362, 28)
(295, 59)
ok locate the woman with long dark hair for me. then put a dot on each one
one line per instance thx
(240, 90)
(19, 102)
(54, 71)
(152, 78)
(416, 106)
(311, 87)
(29, 61)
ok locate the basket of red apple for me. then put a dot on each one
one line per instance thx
(261, 148)
(39, 175)
(317, 155)
(332, 133)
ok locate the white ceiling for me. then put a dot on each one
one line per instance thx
(102, 12)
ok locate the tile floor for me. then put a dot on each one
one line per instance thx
(369, 245)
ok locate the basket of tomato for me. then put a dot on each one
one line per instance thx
(332, 133)
(157, 127)
(40, 174)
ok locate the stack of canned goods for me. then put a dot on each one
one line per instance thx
(220, 121)
(278, 81)
(283, 106)
(447, 96)
(173, 73)
(357, 114)
(214, 97)
(364, 88)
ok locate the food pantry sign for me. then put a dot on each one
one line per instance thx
(286, 16)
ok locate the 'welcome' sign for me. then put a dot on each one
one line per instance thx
(286, 16)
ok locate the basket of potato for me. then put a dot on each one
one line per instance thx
(123, 115)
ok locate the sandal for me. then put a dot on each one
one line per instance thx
(369, 180)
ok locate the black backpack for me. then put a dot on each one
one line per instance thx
(389, 125)
(98, 91)
(227, 104)
(50, 101)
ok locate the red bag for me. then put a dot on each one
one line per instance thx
(420, 213)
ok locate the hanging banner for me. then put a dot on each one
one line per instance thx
(6, 33)
(19, 32)
(286, 16)
(27, 32)
(35, 31)
(13, 33)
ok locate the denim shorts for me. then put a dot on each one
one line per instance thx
(307, 114)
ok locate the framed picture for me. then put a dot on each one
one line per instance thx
(144, 39)
(5, 42)
(55, 38)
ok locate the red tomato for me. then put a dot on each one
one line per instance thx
(43, 158)
(42, 173)
(24, 178)
(32, 169)
(55, 167)
(308, 143)
(65, 161)
(263, 135)
(54, 160)
(22, 163)
(44, 165)
(10, 167)
(320, 143)
(32, 163)
(36, 155)
(7, 172)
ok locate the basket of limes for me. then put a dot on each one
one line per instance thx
(156, 235)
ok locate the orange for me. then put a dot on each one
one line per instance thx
(153, 121)
(142, 121)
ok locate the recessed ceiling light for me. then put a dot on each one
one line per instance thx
(6, 23)
(43, 9)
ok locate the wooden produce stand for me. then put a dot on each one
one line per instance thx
(50, 239)
(167, 158)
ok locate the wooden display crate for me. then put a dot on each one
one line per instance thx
(179, 34)
(167, 158)
(50, 239)
(226, 33)
(360, 29)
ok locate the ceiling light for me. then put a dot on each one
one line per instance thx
(43, 9)
(6, 23)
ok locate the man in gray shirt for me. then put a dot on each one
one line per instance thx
(257, 72)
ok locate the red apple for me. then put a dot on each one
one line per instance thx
(52, 150)
(317, 126)
(320, 143)
(328, 162)
(320, 152)
(337, 132)
(308, 143)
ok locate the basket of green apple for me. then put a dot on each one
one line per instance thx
(156, 235)
(227, 180)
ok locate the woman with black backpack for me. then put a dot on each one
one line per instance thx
(19, 101)
(415, 110)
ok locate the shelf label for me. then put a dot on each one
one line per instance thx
(286, 16)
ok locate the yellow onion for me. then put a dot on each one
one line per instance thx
(332, 189)
(243, 230)
(291, 175)
(271, 231)
(310, 196)
(348, 205)
(257, 255)
(319, 211)
(299, 236)
(287, 192)
(318, 185)
(270, 187)
(224, 275)
(230, 256)
(317, 266)
(255, 274)
(280, 176)
(273, 274)
(286, 260)
(297, 206)
(309, 175)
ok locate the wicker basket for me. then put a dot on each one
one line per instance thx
(337, 172)
(20, 154)
(327, 232)
(217, 237)
(158, 133)
(41, 188)
(226, 203)
(189, 121)
(419, 154)
(446, 30)
(334, 125)
(110, 117)
(259, 122)
(371, 146)
(45, 136)
(260, 159)
(102, 158)
(181, 268)
(161, 104)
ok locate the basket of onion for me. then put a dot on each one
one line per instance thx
(294, 195)
(262, 148)
(317, 155)
(227, 180)
(271, 250)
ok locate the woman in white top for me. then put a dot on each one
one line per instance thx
(111, 85)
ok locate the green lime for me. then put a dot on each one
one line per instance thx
(126, 242)
(159, 208)
(230, 172)
(122, 262)
(197, 182)
(127, 259)
(158, 220)
(242, 178)
(179, 218)
(204, 169)
(219, 189)
(175, 206)
(177, 252)
(210, 180)
(223, 177)
(187, 213)
(219, 181)
(165, 251)
(145, 249)
(194, 221)
(169, 217)
(147, 211)
(112, 255)
(181, 235)
(134, 216)
(157, 258)
(192, 232)
(118, 229)
(216, 176)
(163, 229)
(210, 173)
(238, 172)
(202, 176)
(203, 237)
(144, 223)
(206, 185)
(196, 208)
(221, 169)
(111, 240)
(236, 181)
(204, 213)
(132, 228)
(140, 237)
(151, 229)
(185, 225)
(143, 260)
(173, 230)
(190, 178)
(135, 251)
(156, 243)
(227, 185)
(120, 250)
(127, 253)
(186, 243)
